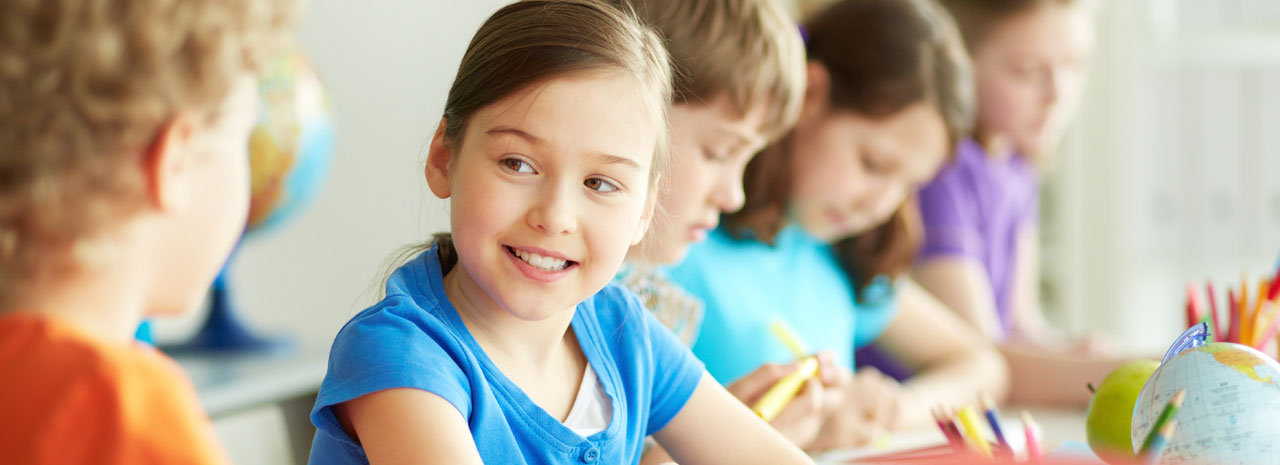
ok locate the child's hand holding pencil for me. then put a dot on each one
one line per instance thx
(800, 417)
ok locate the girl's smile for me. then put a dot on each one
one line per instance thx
(540, 265)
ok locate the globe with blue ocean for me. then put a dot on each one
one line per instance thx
(1231, 412)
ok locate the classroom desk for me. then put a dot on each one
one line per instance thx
(284, 382)
(1057, 425)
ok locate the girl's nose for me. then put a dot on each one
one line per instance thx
(553, 212)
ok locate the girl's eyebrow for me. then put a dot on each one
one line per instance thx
(500, 130)
(619, 160)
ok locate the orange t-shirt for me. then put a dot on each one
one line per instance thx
(66, 398)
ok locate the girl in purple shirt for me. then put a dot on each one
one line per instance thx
(980, 250)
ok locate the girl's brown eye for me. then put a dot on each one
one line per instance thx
(517, 165)
(599, 185)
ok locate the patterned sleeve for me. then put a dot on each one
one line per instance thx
(674, 307)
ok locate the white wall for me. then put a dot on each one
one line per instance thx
(1171, 172)
(387, 65)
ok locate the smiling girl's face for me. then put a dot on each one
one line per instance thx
(548, 189)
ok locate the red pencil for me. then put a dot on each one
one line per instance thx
(1234, 335)
(1194, 312)
(1220, 328)
(949, 429)
(1275, 290)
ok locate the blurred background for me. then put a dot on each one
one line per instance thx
(1170, 174)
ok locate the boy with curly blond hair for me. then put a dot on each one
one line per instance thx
(123, 187)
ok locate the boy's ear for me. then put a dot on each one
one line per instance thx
(817, 89)
(439, 158)
(166, 163)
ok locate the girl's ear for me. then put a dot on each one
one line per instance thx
(439, 158)
(817, 89)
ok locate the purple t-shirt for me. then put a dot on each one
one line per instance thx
(974, 209)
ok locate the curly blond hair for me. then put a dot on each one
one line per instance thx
(85, 85)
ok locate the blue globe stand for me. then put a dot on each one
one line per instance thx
(224, 332)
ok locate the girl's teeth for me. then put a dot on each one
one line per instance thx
(539, 261)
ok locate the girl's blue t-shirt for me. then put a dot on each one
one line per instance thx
(414, 338)
(746, 284)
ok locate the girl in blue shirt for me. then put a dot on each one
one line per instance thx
(503, 342)
(828, 226)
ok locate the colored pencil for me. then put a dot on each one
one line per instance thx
(1220, 328)
(789, 338)
(1194, 312)
(1275, 290)
(1234, 313)
(1166, 415)
(1256, 314)
(1246, 318)
(777, 397)
(989, 411)
(949, 429)
(1031, 430)
(1268, 327)
(973, 430)
(1151, 452)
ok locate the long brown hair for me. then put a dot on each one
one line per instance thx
(882, 56)
(529, 42)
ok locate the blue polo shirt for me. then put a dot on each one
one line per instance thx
(746, 284)
(414, 338)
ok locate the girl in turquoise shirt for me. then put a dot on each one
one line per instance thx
(828, 226)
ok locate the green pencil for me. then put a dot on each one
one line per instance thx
(1151, 455)
(1167, 414)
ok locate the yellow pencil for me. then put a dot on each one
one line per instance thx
(777, 397)
(973, 430)
(1258, 319)
(789, 338)
(1246, 328)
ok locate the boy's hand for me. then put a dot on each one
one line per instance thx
(870, 410)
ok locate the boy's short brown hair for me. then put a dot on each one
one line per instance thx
(749, 49)
(85, 85)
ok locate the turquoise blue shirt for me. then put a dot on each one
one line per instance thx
(746, 284)
(414, 338)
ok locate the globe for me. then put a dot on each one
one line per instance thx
(1231, 413)
(291, 146)
(290, 150)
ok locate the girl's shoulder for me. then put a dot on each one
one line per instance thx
(614, 303)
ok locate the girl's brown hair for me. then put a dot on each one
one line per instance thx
(977, 18)
(528, 42)
(882, 56)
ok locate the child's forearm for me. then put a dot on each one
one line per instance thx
(954, 382)
(1038, 376)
